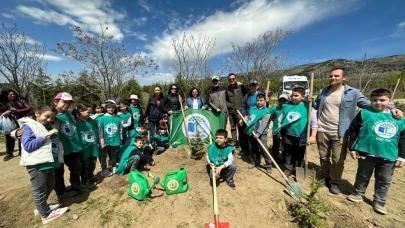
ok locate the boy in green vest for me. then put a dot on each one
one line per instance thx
(257, 126)
(136, 111)
(161, 139)
(275, 112)
(293, 129)
(378, 144)
(220, 155)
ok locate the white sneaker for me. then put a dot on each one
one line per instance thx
(114, 170)
(106, 173)
(54, 215)
(51, 206)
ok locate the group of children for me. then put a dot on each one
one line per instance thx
(377, 141)
(54, 136)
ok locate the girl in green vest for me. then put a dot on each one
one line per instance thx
(98, 110)
(41, 153)
(293, 129)
(110, 136)
(72, 146)
(136, 111)
(378, 143)
(126, 117)
(88, 131)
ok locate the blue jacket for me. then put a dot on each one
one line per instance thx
(189, 102)
(351, 98)
(245, 106)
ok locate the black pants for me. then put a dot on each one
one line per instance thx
(257, 151)
(10, 144)
(72, 161)
(275, 149)
(87, 170)
(226, 173)
(241, 139)
(293, 156)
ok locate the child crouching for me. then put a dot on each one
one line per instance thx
(161, 139)
(41, 153)
(378, 146)
(220, 155)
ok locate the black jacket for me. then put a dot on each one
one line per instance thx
(171, 102)
(234, 97)
(154, 110)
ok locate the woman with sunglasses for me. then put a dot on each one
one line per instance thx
(171, 102)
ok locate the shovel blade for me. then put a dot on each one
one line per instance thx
(220, 225)
(300, 174)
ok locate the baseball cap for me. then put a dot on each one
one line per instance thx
(285, 96)
(215, 78)
(64, 96)
(133, 97)
(253, 82)
(110, 102)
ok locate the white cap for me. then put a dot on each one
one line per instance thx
(133, 97)
(285, 96)
(215, 78)
(110, 102)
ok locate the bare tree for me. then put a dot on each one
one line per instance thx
(108, 59)
(192, 59)
(20, 58)
(256, 59)
(366, 72)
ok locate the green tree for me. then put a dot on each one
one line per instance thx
(42, 89)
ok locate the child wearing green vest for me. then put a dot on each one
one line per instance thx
(220, 155)
(88, 131)
(126, 117)
(257, 126)
(72, 146)
(378, 144)
(110, 136)
(293, 129)
(98, 110)
(161, 139)
(136, 111)
(275, 112)
(41, 153)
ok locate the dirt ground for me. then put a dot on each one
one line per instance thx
(258, 201)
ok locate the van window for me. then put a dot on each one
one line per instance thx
(291, 85)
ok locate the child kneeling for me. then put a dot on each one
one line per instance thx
(377, 142)
(161, 139)
(220, 155)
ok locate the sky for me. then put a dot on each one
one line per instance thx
(322, 29)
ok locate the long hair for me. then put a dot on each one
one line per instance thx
(170, 89)
(78, 109)
(4, 96)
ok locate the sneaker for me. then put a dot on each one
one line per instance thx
(326, 181)
(354, 197)
(231, 185)
(8, 157)
(51, 206)
(269, 170)
(114, 170)
(334, 189)
(287, 173)
(54, 215)
(380, 208)
(90, 184)
(94, 180)
(106, 173)
(252, 165)
(78, 190)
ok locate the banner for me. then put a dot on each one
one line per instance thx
(202, 121)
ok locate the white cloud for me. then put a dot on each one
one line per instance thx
(140, 21)
(156, 77)
(88, 14)
(53, 58)
(144, 4)
(140, 36)
(9, 16)
(402, 24)
(245, 23)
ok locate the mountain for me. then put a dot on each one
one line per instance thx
(383, 66)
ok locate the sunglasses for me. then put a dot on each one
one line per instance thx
(231, 79)
(174, 88)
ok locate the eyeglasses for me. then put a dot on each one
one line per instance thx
(231, 79)
(215, 80)
(174, 88)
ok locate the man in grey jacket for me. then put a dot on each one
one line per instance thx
(336, 105)
(216, 98)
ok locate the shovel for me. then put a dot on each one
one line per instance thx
(295, 190)
(216, 223)
(303, 174)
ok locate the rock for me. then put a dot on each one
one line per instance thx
(75, 217)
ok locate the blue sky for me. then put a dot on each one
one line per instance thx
(323, 29)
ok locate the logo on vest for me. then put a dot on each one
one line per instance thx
(250, 119)
(385, 129)
(136, 116)
(68, 129)
(54, 145)
(293, 116)
(197, 123)
(89, 137)
(111, 128)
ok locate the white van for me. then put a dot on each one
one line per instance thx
(287, 83)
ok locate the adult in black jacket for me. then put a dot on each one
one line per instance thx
(171, 101)
(154, 111)
(234, 96)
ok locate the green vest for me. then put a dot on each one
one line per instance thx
(295, 118)
(68, 134)
(88, 131)
(162, 138)
(218, 155)
(255, 115)
(275, 112)
(124, 117)
(136, 117)
(379, 134)
(55, 149)
(129, 142)
(111, 129)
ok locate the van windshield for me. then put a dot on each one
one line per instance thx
(291, 85)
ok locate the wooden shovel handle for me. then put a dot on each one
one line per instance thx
(309, 120)
(184, 120)
(214, 190)
(395, 89)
